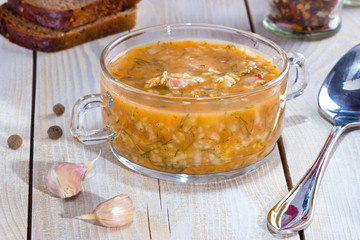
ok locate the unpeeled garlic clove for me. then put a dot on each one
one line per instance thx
(65, 179)
(114, 212)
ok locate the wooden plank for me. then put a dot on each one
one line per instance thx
(63, 78)
(232, 209)
(233, 13)
(337, 206)
(15, 118)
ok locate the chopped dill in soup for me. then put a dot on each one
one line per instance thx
(193, 69)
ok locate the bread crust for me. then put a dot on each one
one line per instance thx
(68, 18)
(36, 37)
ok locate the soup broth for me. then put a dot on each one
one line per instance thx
(199, 125)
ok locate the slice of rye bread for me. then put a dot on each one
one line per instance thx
(65, 14)
(33, 36)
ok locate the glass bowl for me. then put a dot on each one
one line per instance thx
(188, 139)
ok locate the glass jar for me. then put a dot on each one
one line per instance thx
(303, 19)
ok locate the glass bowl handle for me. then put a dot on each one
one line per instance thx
(77, 129)
(297, 76)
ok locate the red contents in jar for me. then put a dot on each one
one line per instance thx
(303, 15)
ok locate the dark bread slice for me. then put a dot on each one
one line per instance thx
(33, 36)
(64, 14)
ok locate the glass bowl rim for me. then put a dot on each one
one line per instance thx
(119, 40)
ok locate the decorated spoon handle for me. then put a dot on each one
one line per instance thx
(294, 212)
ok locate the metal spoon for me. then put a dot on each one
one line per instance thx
(339, 101)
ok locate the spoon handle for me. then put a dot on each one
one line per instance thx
(294, 212)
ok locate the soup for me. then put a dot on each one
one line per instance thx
(200, 123)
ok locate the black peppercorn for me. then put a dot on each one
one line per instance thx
(55, 132)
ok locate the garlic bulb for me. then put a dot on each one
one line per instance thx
(114, 212)
(65, 179)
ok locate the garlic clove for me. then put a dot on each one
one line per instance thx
(114, 212)
(65, 179)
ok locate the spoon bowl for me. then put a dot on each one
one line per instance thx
(339, 96)
(339, 102)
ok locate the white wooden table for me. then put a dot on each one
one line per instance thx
(32, 82)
